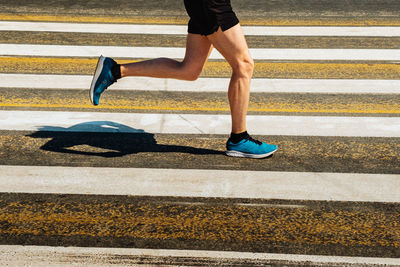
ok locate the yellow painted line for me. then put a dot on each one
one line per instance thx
(191, 222)
(284, 70)
(96, 19)
(182, 20)
(311, 70)
(320, 22)
(316, 109)
(148, 102)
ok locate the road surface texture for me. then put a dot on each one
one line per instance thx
(142, 179)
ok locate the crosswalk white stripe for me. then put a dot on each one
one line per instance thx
(201, 183)
(182, 29)
(174, 52)
(198, 123)
(59, 256)
(258, 85)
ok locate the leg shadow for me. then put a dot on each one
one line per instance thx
(116, 139)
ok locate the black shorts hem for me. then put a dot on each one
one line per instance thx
(214, 29)
(207, 16)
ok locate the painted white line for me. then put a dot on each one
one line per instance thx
(198, 123)
(201, 183)
(258, 85)
(65, 256)
(179, 29)
(174, 52)
(322, 31)
(92, 28)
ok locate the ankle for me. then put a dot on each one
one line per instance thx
(116, 71)
(237, 137)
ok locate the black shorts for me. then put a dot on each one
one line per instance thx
(206, 16)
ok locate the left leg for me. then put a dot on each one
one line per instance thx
(232, 45)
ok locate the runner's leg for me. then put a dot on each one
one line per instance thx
(198, 48)
(233, 46)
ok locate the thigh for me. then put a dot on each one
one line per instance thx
(198, 48)
(231, 44)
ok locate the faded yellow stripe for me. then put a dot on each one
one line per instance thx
(182, 20)
(289, 70)
(320, 22)
(95, 19)
(311, 70)
(216, 223)
(194, 105)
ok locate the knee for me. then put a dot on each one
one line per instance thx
(190, 72)
(191, 75)
(244, 67)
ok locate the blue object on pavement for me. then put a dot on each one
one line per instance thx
(250, 148)
(102, 78)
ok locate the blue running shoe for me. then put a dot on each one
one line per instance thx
(250, 148)
(102, 78)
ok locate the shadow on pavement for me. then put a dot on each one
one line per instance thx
(107, 139)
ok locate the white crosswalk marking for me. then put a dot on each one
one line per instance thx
(198, 123)
(258, 85)
(201, 183)
(174, 52)
(94, 256)
(175, 29)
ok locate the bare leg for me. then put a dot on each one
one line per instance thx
(232, 45)
(198, 48)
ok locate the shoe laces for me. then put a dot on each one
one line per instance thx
(249, 138)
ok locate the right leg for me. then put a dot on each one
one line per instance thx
(233, 46)
(198, 48)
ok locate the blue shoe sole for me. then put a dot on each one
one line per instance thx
(99, 69)
(233, 153)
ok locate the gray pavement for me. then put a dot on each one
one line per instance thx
(299, 154)
(253, 225)
(248, 9)
(152, 40)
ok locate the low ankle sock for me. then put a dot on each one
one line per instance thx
(116, 71)
(236, 138)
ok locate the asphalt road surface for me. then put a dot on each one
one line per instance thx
(142, 178)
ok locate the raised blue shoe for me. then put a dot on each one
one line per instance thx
(250, 148)
(102, 78)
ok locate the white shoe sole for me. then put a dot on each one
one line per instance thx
(99, 68)
(238, 154)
